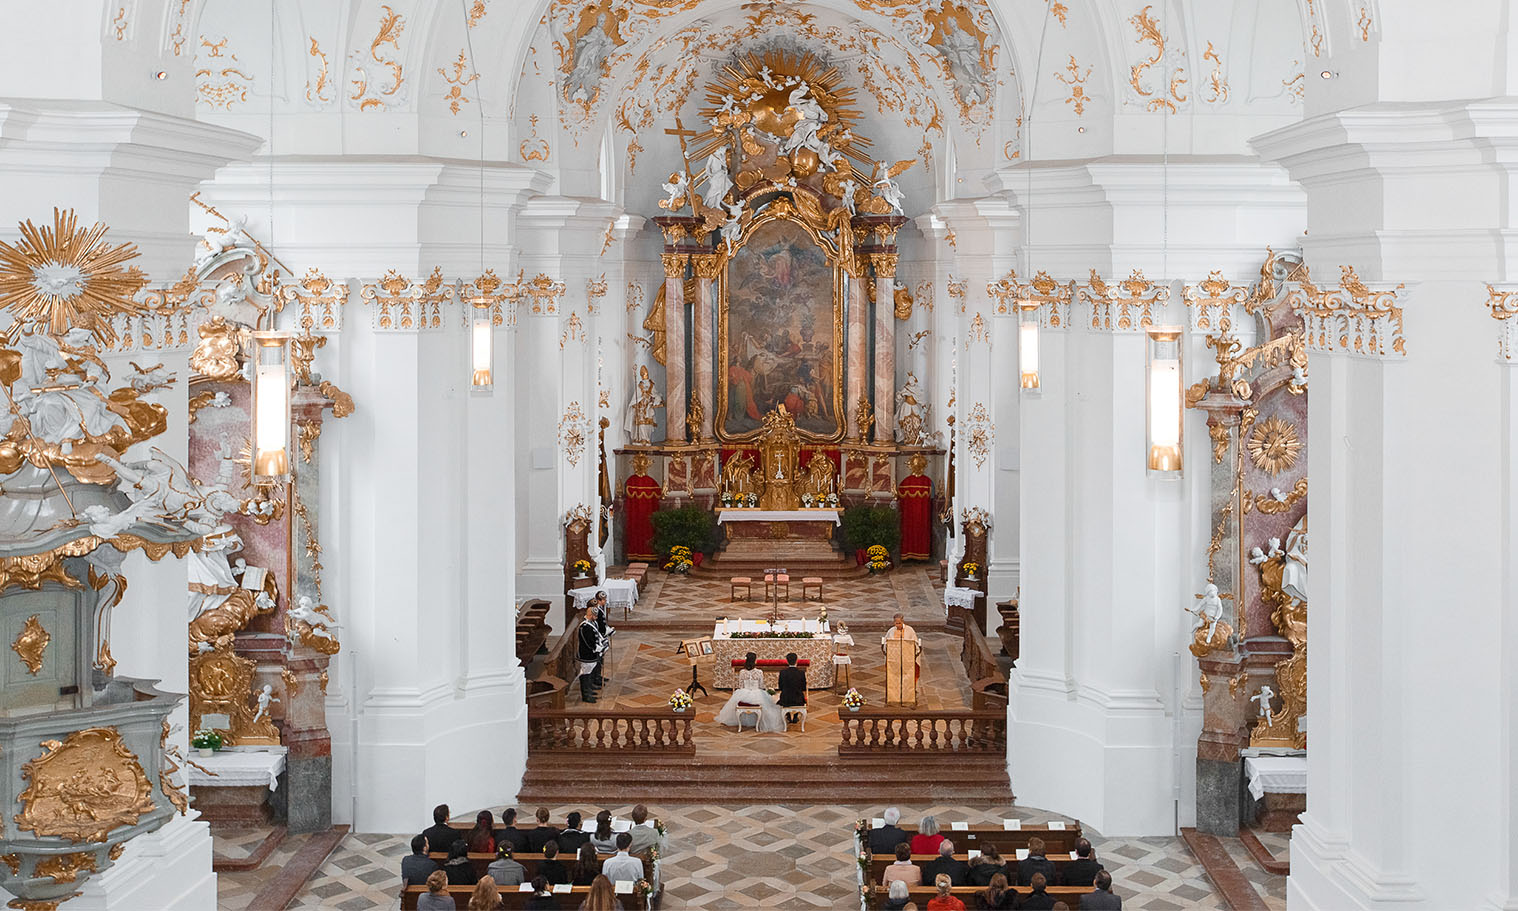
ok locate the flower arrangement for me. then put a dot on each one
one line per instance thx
(641, 890)
(206, 740)
(852, 700)
(806, 501)
(822, 615)
(971, 570)
(680, 560)
(877, 558)
(775, 635)
(581, 567)
(680, 700)
(831, 501)
(659, 827)
(753, 500)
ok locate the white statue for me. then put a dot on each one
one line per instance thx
(717, 180)
(1294, 569)
(911, 411)
(961, 51)
(886, 187)
(590, 55)
(733, 227)
(804, 135)
(213, 242)
(58, 390)
(265, 696)
(305, 610)
(1273, 548)
(1209, 612)
(1263, 697)
(1278, 495)
(674, 190)
(1257, 556)
(641, 412)
(846, 191)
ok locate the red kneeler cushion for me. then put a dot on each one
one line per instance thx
(773, 662)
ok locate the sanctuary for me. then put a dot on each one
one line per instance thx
(557, 453)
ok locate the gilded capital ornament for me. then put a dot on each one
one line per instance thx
(885, 264)
(707, 265)
(674, 264)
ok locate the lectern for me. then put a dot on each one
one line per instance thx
(901, 671)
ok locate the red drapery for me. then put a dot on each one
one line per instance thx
(914, 497)
(643, 495)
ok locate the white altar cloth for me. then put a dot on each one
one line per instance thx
(777, 515)
(956, 596)
(236, 768)
(1276, 774)
(725, 628)
(619, 593)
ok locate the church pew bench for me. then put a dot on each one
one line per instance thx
(1056, 841)
(560, 668)
(878, 862)
(511, 897)
(530, 862)
(1010, 631)
(920, 895)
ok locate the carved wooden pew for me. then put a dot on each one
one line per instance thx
(1011, 629)
(560, 668)
(1070, 895)
(987, 683)
(511, 897)
(1056, 841)
(878, 863)
(532, 630)
(530, 862)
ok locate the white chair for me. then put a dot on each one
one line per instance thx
(791, 710)
(748, 710)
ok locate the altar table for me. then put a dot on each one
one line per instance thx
(1276, 774)
(619, 593)
(778, 535)
(818, 649)
(778, 515)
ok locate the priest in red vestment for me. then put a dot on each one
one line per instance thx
(914, 503)
(643, 494)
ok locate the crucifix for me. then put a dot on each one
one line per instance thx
(682, 134)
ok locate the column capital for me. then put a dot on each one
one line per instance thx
(707, 265)
(674, 264)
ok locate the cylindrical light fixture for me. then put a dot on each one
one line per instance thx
(481, 346)
(1164, 381)
(1027, 343)
(271, 405)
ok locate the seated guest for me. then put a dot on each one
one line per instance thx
(957, 870)
(927, 838)
(486, 896)
(460, 871)
(997, 896)
(1034, 863)
(436, 897)
(1102, 898)
(541, 898)
(623, 867)
(885, 839)
(902, 869)
(944, 900)
(898, 896)
(481, 838)
(551, 868)
(503, 869)
(417, 866)
(543, 834)
(586, 867)
(1082, 870)
(985, 867)
(604, 840)
(440, 835)
(602, 897)
(792, 683)
(1038, 899)
(572, 837)
(510, 832)
(644, 835)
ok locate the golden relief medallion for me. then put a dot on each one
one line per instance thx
(84, 787)
(31, 644)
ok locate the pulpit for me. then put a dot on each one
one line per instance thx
(901, 671)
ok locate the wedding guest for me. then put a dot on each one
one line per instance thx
(504, 870)
(510, 832)
(1038, 899)
(586, 867)
(551, 868)
(1035, 863)
(541, 898)
(436, 898)
(644, 835)
(417, 866)
(486, 896)
(602, 897)
(572, 836)
(885, 839)
(542, 834)
(902, 869)
(440, 835)
(1081, 871)
(945, 900)
(589, 648)
(1102, 898)
(460, 871)
(623, 867)
(897, 896)
(604, 840)
(957, 870)
(997, 896)
(985, 867)
(927, 838)
(481, 838)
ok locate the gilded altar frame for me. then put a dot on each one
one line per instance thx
(783, 209)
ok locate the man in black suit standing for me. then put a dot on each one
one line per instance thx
(792, 684)
(885, 839)
(958, 871)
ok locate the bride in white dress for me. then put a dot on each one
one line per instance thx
(751, 690)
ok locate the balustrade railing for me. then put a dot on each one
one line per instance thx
(896, 731)
(621, 730)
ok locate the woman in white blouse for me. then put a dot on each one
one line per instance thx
(751, 692)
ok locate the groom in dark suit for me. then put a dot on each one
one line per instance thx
(792, 683)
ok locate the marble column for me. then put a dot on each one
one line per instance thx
(885, 345)
(674, 347)
(707, 266)
(858, 351)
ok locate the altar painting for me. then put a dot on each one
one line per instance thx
(780, 334)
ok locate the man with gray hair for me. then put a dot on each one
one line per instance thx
(885, 839)
(946, 863)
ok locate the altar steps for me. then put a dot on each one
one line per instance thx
(724, 566)
(557, 779)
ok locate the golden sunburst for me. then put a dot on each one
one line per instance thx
(1274, 445)
(66, 277)
(757, 90)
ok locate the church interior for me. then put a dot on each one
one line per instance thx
(661, 454)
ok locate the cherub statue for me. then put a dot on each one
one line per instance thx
(1209, 611)
(265, 696)
(318, 623)
(884, 184)
(674, 190)
(1263, 697)
(215, 242)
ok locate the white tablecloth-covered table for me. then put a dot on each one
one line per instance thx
(955, 596)
(818, 649)
(777, 515)
(238, 769)
(1275, 774)
(619, 593)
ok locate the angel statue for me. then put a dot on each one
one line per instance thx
(674, 191)
(804, 135)
(643, 406)
(961, 52)
(1263, 697)
(305, 611)
(265, 696)
(1209, 611)
(733, 227)
(885, 185)
(217, 241)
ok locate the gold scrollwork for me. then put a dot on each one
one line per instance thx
(1270, 505)
(1353, 317)
(320, 298)
(310, 432)
(1211, 299)
(168, 753)
(84, 787)
(65, 868)
(456, 99)
(1076, 83)
(31, 643)
(1134, 297)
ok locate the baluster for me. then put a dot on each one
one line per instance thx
(874, 732)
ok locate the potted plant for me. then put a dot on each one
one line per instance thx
(581, 568)
(971, 571)
(207, 742)
(679, 559)
(877, 558)
(868, 526)
(690, 527)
